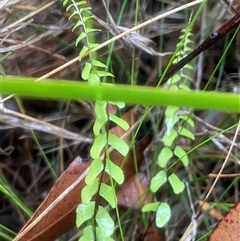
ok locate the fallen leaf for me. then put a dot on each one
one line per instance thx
(151, 233)
(60, 218)
(228, 228)
(133, 193)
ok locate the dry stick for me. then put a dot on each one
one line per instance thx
(231, 9)
(23, 44)
(31, 14)
(224, 175)
(16, 119)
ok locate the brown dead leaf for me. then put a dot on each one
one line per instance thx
(133, 193)
(60, 218)
(151, 233)
(237, 1)
(56, 215)
(228, 228)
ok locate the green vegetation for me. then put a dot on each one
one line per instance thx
(194, 129)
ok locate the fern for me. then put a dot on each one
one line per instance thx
(178, 123)
(102, 226)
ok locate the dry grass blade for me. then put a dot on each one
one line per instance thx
(119, 36)
(30, 15)
(223, 165)
(45, 161)
(16, 119)
(133, 40)
(24, 44)
(7, 3)
(5, 31)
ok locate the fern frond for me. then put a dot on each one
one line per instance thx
(176, 125)
(93, 71)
